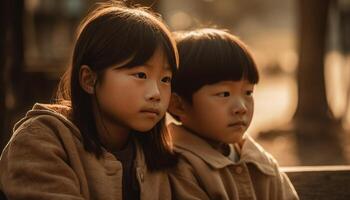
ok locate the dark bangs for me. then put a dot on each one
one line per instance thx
(209, 56)
(150, 39)
(128, 38)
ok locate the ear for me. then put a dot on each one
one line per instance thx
(177, 106)
(87, 79)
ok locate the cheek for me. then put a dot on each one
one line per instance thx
(250, 110)
(250, 106)
(208, 112)
(116, 91)
(165, 94)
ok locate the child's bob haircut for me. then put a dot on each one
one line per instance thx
(208, 56)
(111, 34)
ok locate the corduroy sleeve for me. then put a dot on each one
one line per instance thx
(184, 184)
(34, 166)
(285, 189)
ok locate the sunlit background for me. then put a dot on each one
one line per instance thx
(270, 28)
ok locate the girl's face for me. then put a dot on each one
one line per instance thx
(136, 98)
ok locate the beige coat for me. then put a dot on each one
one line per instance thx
(204, 173)
(45, 159)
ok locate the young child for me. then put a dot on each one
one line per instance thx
(106, 138)
(212, 98)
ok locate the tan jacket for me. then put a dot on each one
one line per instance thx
(45, 159)
(205, 173)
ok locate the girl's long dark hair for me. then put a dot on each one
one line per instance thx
(113, 33)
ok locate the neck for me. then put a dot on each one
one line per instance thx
(213, 143)
(114, 137)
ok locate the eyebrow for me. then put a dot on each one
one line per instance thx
(167, 67)
(221, 83)
(225, 84)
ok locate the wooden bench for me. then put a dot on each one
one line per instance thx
(317, 182)
(320, 182)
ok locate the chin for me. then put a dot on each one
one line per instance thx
(237, 138)
(143, 128)
(144, 125)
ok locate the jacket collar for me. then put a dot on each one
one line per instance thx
(60, 112)
(251, 152)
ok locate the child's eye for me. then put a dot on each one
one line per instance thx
(140, 75)
(223, 94)
(249, 92)
(166, 79)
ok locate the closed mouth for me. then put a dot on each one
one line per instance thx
(239, 123)
(151, 111)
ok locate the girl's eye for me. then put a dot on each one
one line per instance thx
(223, 94)
(166, 79)
(140, 75)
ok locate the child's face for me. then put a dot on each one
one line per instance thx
(221, 112)
(136, 98)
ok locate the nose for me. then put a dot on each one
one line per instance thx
(153, 92)
(239, 107)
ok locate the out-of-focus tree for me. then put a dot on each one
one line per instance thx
(315, 125)
(313, 110)
(3, 31)
(11, 58)
(17, 51)
(343, 7)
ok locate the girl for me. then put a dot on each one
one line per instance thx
(106, 137)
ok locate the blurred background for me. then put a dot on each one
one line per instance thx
(302, 48)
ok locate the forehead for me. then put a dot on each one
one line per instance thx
(159, 59)
(230, 84)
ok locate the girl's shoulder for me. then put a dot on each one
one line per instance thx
(42, 146)
(43, 121)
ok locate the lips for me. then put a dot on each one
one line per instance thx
(238, 123)
(154, 111)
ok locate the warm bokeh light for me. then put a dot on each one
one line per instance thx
(337, 73)
(275, 103)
